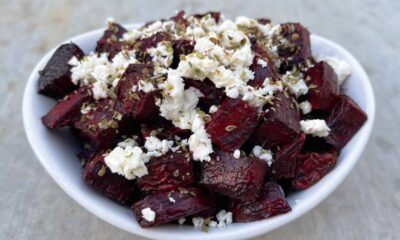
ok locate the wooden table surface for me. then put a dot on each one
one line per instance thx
(365, 206)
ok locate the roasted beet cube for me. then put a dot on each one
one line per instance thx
(180, 22)
(345, 119)
(312, 166)
(232, 124)
(55, 78)
(215, 15)
(263, 67)
(181, 46)
(162, 129)
(323, 85)
(211, 94)
(280, 124)
(141, 104)
(103, 124)
(172, 205)
(97, 175)
(109, 43)
(144, 44)
(239, 178)
(168, 172)
(67, 110)
(284, 164)
(264, 21)
(296, 49)
(272, 202)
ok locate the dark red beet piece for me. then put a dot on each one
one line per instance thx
(172, 205)
(284, 164)
(143, 44)
(180, 21)
(261, 72)
(215, 15)
(272, 202)
(168, 172)
(67, 110)
(103, 124)
(240, 178)
(109, 43)
(55, 79)
(232, 124)
(141, 104)
(324, 84)
(118, 188)
(181, 46)
(263, 21)
(211, 94)
(162, 129)
(345, 120)
(280, 125)
(312, 166)
(296, 50)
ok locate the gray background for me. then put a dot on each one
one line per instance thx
(365, 206)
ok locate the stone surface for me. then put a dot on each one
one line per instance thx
(365, 206)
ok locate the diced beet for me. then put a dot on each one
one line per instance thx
(143, 44)
(263, 21)
(296, 49)
(67, 110)
(312, 166)
(103, 124)
(284, 164)
(168, 172)
(215, 15)
(88, 152)
(345, 119)
(232, 124)
(211, 94)
(261, 72)
(109, 43)
(172, 205)
(55, 79)
(162, 129)
(272, 202)
(141, 104)
(323, 85)
(181, 46)
(280, 125)
(97, 175)
(180, 22)
(240, 178)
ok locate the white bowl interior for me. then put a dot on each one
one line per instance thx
(56, 151)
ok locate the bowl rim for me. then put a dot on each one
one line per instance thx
(252, 229)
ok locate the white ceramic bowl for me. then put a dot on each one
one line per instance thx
(56, 151)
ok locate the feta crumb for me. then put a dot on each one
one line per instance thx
(213, 109)
(200, 145)
(263, 154)
(146, 86)
(315, 127)
(224, 218)
(162, 54)
(295, 83)
(213, 224)
(341, 68)
(156, 147)
(236, 154)
(171, 199)
(198, 222)
(261, 62)
(305, 107)
(148, 214)
(182, 221)
(129, 142)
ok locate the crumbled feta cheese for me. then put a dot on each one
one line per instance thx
(213, 109)
(305, 107)
(162, 54)
(99, 90)
(295, 83)
(263, 154)
(212, 224)
(341, 68)
(315, 127)
(196, 68)
(146, 86)
(236, 154)
(128, 162)
(148, 214)
(200, 145)
(129, 142)
(132, 35)
(224, 218)
(198, 222)
(181, 221)
(171, 199)
(261, 62)
(156, 147)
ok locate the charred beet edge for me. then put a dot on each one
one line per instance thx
(186, 202)
(262, 72)
(271, 202)
(168, 172)
(324, 84)
(232, 124)
(67, 110)
(312, 166)
(55, 79)
(240, 178)
(280, 124)
(109, 43)
(345, 120)
(97, 175)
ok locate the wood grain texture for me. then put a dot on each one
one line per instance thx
(365, 206)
